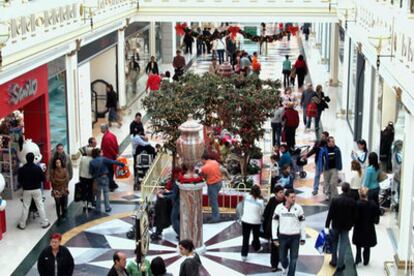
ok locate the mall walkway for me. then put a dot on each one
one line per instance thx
(93, 238)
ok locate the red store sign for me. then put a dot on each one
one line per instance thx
(20, 91)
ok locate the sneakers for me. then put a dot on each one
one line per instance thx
(108, 210)
(46, 225)
(276, 269)
(244, 258)
(284, 271)
(260, 249)
(19, 227)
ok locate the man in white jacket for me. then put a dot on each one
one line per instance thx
(288, 231)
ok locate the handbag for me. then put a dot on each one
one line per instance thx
(293, 73)
(382, 176)
(312, 110)
(78, 192)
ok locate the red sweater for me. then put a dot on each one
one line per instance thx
(109, 145)
(153, 82)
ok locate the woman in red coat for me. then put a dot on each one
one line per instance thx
(301, 70)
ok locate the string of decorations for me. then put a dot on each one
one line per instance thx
(183, 29)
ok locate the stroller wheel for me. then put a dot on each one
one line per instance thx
(130, 235)
(302, 174)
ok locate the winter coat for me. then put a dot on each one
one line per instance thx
(46, 262)
(268, 216)
(109, 145)
(368, 214)
(342, 213)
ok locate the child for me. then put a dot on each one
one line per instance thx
(286, 178)
(274, 171)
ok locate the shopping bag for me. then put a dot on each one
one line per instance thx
(324, 242)
(122, 172)
(312, 110)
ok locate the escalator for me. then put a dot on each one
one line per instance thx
(98, 98)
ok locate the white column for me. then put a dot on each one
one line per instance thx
(323, 42)
(334, 58)
(121, 68)
(71, 101)
(342, 106)
(369, 79)
(376, 114)
(152, 43)
(174, 40)
(406, 204)
(389, 106)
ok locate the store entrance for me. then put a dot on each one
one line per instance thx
(98, 96)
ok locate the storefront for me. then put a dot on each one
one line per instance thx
(97, 67)
(24, 114)
(137, 55)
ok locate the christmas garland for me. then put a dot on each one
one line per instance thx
(183, 29)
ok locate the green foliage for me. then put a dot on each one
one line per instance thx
(242, 105)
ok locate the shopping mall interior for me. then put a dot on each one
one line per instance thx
(235, 98)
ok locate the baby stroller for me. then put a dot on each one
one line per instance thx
(298, 161)
(132, 232)
(385, 196)
(143, 162)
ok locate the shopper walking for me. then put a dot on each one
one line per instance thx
(288, 97)
(99, 169)
(288, 231)
(136, 126)
(286, 70)
(301, 70)
(330, 163)
(119, 267)
(59, 177)
(152, 67)
(364, 236)
(110, 150)
(251, 219)
(86, 180)
(355, 179)
(276, 124)
(55, 259)
(112, 106)
(291, 123)
(341, 216)
(319, 144)
(30, 177)
(191, 265)
(305, 100)
(219, 45)
(179, 65)
(212, 173)
(188, 41)
(322, 103)
(371, 178)
(277, 198)
(59, 153)
(387, 138)
(153, 82)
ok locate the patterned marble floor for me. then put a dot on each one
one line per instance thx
(93, 243)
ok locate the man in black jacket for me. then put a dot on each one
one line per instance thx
(342, 213)
(55, 256)
(136, 126)
(30, 177)
(268, 213)
(119, 265)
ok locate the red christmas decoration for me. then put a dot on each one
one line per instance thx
(180, 28)
(293, 30)
(233, 30)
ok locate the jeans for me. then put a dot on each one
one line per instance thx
(316, 119)
(331, 182)
(200, 48)
(61, 206)
(305, 118)
(36, 195)
(340, 242)
(286, 78)
(274, 255)
(112, 115)
(316, 180)
(276, 133)
(213, 191)
(246, 229)
(189, 48)
(112, 184)
(220, 54)
(291, 243)
(103, 186)
(366, 254)
(301, 79)
(373, 194)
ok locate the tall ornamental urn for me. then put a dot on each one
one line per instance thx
(190, 144)
(190, 147)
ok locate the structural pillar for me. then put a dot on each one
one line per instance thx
(152, 43)
(334, 55)
(406, 204)
(168, 42)
(191, 213)
(121, 68)
(341, 106)
(71, 100)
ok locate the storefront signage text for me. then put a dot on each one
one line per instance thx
(18, 93)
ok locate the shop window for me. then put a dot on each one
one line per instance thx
(57, 111)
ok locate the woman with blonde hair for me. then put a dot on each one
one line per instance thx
(364, 235)
(356, 179)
